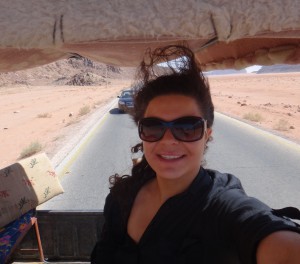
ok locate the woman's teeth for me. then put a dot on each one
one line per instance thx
(169, 157)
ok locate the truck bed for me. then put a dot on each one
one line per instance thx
(67, 237)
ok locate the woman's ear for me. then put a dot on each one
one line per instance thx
(208, 133)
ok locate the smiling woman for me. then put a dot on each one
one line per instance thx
(172, 209)
(222, 34)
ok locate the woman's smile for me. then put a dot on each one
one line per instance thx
(170, 157)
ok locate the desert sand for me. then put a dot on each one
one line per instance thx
(273, 100)
(52, 115)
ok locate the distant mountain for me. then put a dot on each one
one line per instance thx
(72, 71)
(225, 72)
(279, 68)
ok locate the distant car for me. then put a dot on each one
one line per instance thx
(125, 103)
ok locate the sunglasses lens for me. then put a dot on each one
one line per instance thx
(151, 130)
(186, 129)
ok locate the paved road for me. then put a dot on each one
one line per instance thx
(268, 166)
(104, 152)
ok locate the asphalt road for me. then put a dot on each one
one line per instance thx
(268, 166)
(86, 172)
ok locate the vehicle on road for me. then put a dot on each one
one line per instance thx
(125, 103)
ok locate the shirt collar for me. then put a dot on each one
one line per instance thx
(201, 183)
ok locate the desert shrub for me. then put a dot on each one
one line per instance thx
(31, 149)
(84, 110)
(86, 79)
(44, 115)
(71, 122)
(282, 125)
(255, 117)
(57, 138)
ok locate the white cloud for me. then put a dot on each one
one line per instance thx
(253, 68)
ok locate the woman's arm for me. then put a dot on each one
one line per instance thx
(279, 248)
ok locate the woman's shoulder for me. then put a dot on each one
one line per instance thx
(228, 195)
(234, 216)
(223, 182)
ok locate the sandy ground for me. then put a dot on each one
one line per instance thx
(273, 100)
(51, 116)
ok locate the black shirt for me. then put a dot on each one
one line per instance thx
(213, 221)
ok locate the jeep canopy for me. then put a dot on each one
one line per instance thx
(222, 33)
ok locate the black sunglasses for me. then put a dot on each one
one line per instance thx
(187, 129)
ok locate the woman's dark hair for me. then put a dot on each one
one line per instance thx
(180, 74)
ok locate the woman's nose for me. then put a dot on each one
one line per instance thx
(168, 137)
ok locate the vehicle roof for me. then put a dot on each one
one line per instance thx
(222, 33)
